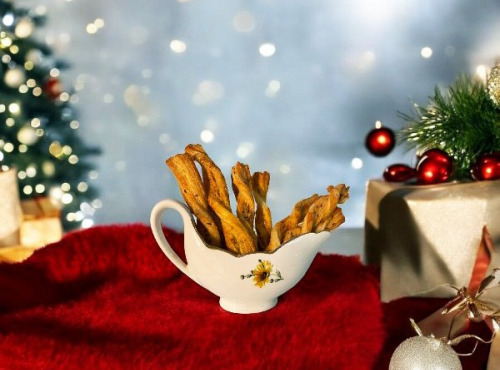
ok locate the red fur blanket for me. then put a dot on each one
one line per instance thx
(106, 297)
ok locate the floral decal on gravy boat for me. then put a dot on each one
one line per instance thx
(264, 274)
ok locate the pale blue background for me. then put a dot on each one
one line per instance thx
(341, 65)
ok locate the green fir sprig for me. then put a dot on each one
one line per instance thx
(463, 121)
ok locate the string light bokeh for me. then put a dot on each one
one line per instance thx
(291, 89)
(35, 109)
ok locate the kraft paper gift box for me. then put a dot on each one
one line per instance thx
(423, 237)
(10, 208)
(42, 223)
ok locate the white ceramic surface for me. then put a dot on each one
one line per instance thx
(245, 284)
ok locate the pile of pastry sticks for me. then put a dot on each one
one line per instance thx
(251, 228)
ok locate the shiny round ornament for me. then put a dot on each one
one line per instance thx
(53, 88)
(437, 155)
(399, 172)
(493, 85)
(424, 353)
(435, 166)
(380, 141)
(487, 167)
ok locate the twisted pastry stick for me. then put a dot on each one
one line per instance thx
(263, 220)
(213, 179)
(313, 214)
(214, 182)
(191, 188)
(245, 204)
(337, 219)
(236, 235)
(333, 217)
(208, 200)
(288, 227)
(320, 214)
(344, 193)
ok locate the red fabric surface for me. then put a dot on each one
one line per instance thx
(106, 297)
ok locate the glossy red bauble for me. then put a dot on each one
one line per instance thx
(399, 172)
(487, 167)
(434, 166)
(431, 171)
(53, 88)
(437, 155)
(380, 141)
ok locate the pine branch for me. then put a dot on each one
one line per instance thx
(463, 121)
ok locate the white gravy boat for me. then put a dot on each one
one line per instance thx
(245, 284)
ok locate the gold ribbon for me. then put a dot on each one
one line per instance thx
(480, 301)
(452, 342)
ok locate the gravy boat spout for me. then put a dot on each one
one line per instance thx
(247, 283)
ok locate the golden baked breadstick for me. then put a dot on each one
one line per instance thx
(288, 226)
(344, 193)
(321, 212)
(245, 204)
(314, 213)
(276, 236)
(190, 185)
(251, 228)
(336, 220)
(236, 235)
(331, 211)
(263, 220)
(214, 181)
(291, 233)
(300, 209)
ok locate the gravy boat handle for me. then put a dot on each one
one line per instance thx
(156, 227)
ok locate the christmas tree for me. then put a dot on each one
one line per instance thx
(38, 125)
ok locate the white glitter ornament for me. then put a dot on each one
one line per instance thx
(422, 352)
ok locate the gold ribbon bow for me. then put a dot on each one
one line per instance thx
(480, 301)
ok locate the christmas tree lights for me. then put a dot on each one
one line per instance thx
(38, 124)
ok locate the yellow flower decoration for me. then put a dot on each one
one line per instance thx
(263, 274)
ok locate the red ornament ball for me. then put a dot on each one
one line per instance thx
(434, 166)
(487, 167)
(432, 172)
(399, 172)
(437, 155)
(380, 141)
(53, 88)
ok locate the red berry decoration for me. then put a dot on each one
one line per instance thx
(53, 88)
(380, 141)
(487, 167)
(434, 167)
(399, 172)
